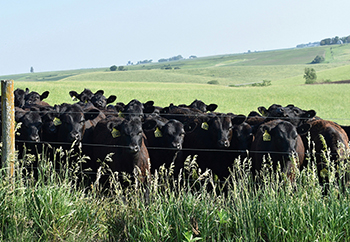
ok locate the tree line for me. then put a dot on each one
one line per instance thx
(335, 40)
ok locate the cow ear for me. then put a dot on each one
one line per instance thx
(239, 119)
(189, 127)
(149, 124)
(74, 94)
(212, 107)
(309, 114)
(148, 103)
(44, 95)
(111, 99)
(303, 129)
(27, 90)
(92, 114)
(99, 92)
(263, 111)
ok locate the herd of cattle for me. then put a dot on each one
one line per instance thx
(141, 134)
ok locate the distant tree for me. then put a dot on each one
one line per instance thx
(31, 70)
(318, 59)
(192, 57)
(113, 68)
(121, 68)
(310, 75)
(327, 41)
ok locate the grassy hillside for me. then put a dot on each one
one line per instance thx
(284, 68)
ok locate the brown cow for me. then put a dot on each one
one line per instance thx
(335, 139)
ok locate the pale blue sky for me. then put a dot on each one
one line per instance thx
(72, 34)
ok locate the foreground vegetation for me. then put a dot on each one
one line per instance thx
(189, 208)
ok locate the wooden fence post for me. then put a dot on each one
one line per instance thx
(8, 126)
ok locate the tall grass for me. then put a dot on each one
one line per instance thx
(194, 206)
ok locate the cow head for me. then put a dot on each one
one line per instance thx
(71, 122)
(134, 109)
(129, 132)
(33, 98)
(20, 97)
(100, 101)
(200, 105)
(171, 133)
(31, 123)
(289, 113)
(83, 97)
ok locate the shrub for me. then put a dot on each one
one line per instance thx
(310, 75)
(213, 82)
(265, 83)
(318, 59)
(113, 68)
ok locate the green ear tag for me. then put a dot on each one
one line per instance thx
(115, 133)
(205, 126)
(266, 136)
(57, 121)
(120, 114)
(158, 133)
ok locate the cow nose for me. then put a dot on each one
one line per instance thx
(177, 146)
(75, 136)
(224, 143)
(36, 138)
(134, 148)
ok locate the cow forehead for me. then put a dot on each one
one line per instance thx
(131, 127)
(173, 128)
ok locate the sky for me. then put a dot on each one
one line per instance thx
(51, 35)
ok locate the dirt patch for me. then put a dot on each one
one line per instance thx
(336, 82)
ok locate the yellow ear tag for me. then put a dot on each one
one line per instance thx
(263, 113)
(120, 114)
(57, 121)
(158, 133)
(115, 133)
(205, 126)
(74, 98)
(86, 101)
(266, 136)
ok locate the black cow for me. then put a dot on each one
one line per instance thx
(124, 139)
(209, 137)
(19, 95)
(30, 124)
(164, 142)
(281, 141)
(201, 106)
(34, 98)
(100, 101)
(289, 113)
(28, 136)
(84, 97)
(134, 109)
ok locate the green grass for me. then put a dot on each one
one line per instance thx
(272, 209)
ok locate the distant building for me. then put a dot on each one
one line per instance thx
(314, 44)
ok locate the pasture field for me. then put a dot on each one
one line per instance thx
(234, 73)
(57, 208)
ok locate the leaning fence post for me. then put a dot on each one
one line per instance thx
(8, 126)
